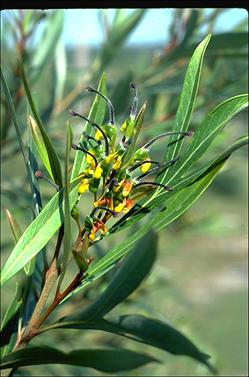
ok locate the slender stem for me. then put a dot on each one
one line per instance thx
(183, 133)
(51, 277)
(110, 105)
(144, 162)
(74, 146)
(59, 297)
(59, 242)
(133, 110)
(152, 184)
(73, 113)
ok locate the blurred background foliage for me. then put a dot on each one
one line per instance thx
(199, 279)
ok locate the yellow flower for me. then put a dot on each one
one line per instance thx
(110, 158)
(103, 229)
(98, 171)
(120, 206)
(126, 188)
(89, 158)
(103, 201)
(88, 171)
(84, 186)
(117, 163)
(145, 167)
(98, 135)
(116, 188)
(92, 235)
(128, 205)
(123, 127)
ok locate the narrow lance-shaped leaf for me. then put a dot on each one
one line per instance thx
(118, 33)
(17, 127)
(187, 100)
(39, 143)
(35, 266)
(145, 330)
(67, 211)
(53, 159)
(105, 360)
(204, 136)
(206, 133)
(199, 172)
(185, 199)
(8, 323)
(14, 226)
(60, 69)
(49, 38)
(137, 127)
(11, 309)
(96, 114)
(39, 232)
(127, 278)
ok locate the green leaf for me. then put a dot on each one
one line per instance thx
(8, 323)
(60, 70)
(17, 127)
(127, 278)
(96, 114)
(39, 143)
(11, 309)
(190, 27)
(67, 210)
(105, 360)
(229, 41)
(137, 127)
(206, 133)
(180, 202)
(118, 33)
(53, 158)
(187, 101)
(39, 232)
(201, 140)
(35, 266)
(121, 29)
(119, 17)
(47, 46)
(145, 330)
(15, 228)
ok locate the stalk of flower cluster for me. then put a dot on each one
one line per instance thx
(110, 105)
(73, 113)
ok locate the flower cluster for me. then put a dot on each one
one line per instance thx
(115, 168)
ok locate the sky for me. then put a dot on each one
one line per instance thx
(153, 27)
(82, 26)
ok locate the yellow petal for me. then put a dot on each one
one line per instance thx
(92, 235)
(145, 167)
(84, 186)
(110, 158)
(123, 127)
(98, 171)
(120, 207)
(117, 163)
(98, 135)
(116, 188)
(126, 188)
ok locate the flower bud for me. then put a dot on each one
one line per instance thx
(84, 186)
(127, 185)
(145, 167)
(98, 172)
(98, 135)
(141, 154)
(117, 163)
(119, 208)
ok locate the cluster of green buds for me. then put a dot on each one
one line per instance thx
(115, 169)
